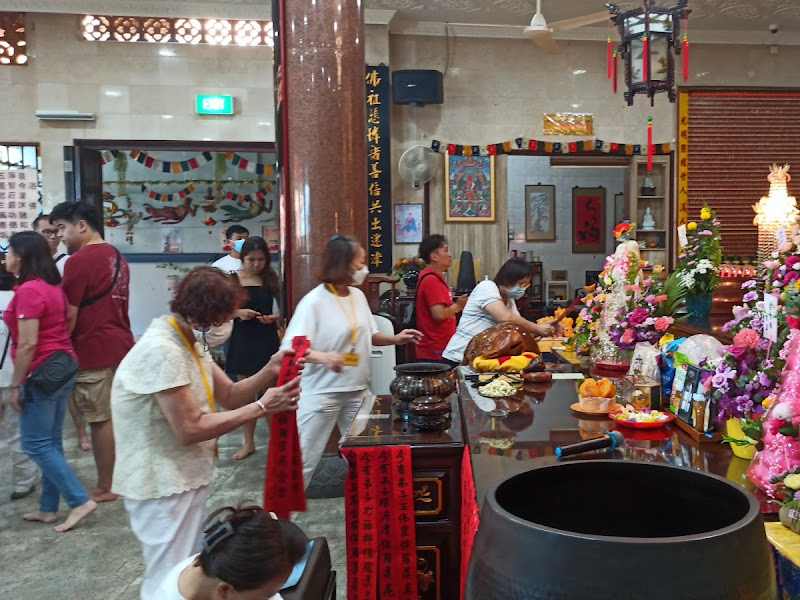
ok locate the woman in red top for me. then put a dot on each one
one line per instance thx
(37, 319)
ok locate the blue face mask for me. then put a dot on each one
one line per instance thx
(237, 245)
(516, 292)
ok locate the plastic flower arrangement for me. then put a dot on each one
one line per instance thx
(699, 261)
(587, 322)
(624, 230)
(404, 265)
(641, 319)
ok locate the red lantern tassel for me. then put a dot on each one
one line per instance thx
(610, 52)
(685, 57)
(649, 144)
(645, 59)
(615, 71)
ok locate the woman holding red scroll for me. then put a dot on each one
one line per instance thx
(336, 318)
(165, 399)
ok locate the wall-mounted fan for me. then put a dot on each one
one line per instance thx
(417, 165)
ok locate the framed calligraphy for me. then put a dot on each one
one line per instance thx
(540, 213)
(379, 167)
(469, 194)
(588, 220)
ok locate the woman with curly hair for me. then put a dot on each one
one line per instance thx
(164, 400)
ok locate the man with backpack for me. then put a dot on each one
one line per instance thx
(434, 308)
(97, 284)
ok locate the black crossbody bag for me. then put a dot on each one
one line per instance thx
(59, 368)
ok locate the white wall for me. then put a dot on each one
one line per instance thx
(531, 170)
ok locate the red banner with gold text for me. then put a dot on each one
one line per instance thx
(379, 519)
(284, 491)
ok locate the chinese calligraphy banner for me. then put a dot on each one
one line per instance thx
(284, 491)
(19, 201)
(379, 523)
(379, 168)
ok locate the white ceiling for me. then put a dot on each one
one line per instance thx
(750, 16)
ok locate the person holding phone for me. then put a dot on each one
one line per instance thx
(254, 338)
(434, 305)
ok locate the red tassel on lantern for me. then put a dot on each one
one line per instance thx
(615, 71)
(685, 57)
(645, 59)
(610, 52)
(649, 144)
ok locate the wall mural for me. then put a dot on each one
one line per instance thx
(181, 202)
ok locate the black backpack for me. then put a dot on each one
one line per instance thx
(410, 321)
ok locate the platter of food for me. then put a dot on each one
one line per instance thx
(604, 407)
(643, 418)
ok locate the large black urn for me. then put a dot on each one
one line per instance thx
(614, 530)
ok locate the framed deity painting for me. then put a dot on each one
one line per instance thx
(588, 220)
(540, 213)
(407, 223)
(469, 192)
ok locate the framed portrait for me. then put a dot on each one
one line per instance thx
(588, 220)
(540, 213)
(407, 223)
(469, 193)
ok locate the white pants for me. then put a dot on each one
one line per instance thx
(316, 416)
(170, 530)
(24, 472)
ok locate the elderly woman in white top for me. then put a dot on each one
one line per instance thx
(164, 400)
(337, 320)
(493, 302)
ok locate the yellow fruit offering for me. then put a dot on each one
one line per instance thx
(589, 389)
(607, 389)
(597, 389)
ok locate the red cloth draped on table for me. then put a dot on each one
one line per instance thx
(470, 518)
(284, 491)
(379, 519)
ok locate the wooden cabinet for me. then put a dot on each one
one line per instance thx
(652, 191)
(436, 482)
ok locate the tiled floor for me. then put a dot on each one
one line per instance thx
(101, 560)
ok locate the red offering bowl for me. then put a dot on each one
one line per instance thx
(617, 367)
(635, 425)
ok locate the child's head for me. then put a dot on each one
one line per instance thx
(250, 552)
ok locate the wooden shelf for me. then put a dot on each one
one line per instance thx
(650, 231)
(652, 250)
(650, 197)
(659, 204)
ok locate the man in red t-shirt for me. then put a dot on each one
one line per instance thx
(436, 311)
(96, 283)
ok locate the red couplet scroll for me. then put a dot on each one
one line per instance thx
(379, 520)
(284, 491)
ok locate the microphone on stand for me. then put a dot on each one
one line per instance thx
(610, 440)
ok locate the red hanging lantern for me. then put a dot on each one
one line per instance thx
(649, 144)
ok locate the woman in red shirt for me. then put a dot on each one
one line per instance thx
(37, 320)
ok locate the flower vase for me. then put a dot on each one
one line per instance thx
(410, 278)
(699, 307)
(734, 430)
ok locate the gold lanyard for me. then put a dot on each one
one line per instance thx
(190, 346)
(353, 321)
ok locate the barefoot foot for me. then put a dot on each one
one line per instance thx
(246, 451)
(76, 516)
(100, 495)
(44, 517)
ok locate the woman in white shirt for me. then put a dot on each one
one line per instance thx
(336, 319)
(493, 302)
(248, 554)
(165, 402)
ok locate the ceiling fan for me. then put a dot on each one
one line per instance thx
(541, 34)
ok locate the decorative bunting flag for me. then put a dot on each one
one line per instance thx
(191, 164)
(168, 197)
(544, 147)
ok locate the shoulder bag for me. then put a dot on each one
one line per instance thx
(58, 369)
(411, 312)
(92, 300)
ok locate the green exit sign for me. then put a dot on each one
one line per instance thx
(214, 105)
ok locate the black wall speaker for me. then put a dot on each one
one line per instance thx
(417, 87)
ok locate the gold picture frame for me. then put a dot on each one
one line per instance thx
(469, 189)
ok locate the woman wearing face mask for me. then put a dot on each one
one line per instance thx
(493, 302)
(337, 320)
(165, 400)
(254, 338)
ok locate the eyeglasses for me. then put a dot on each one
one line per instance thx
(50, 232)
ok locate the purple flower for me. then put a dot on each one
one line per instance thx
(750, 296)
(720, 382)
(705, 232)
(764, 380)
(757, 323)
(740, 312)
(692, 262)
(748, 284)
(767, 364)
(797, 495)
